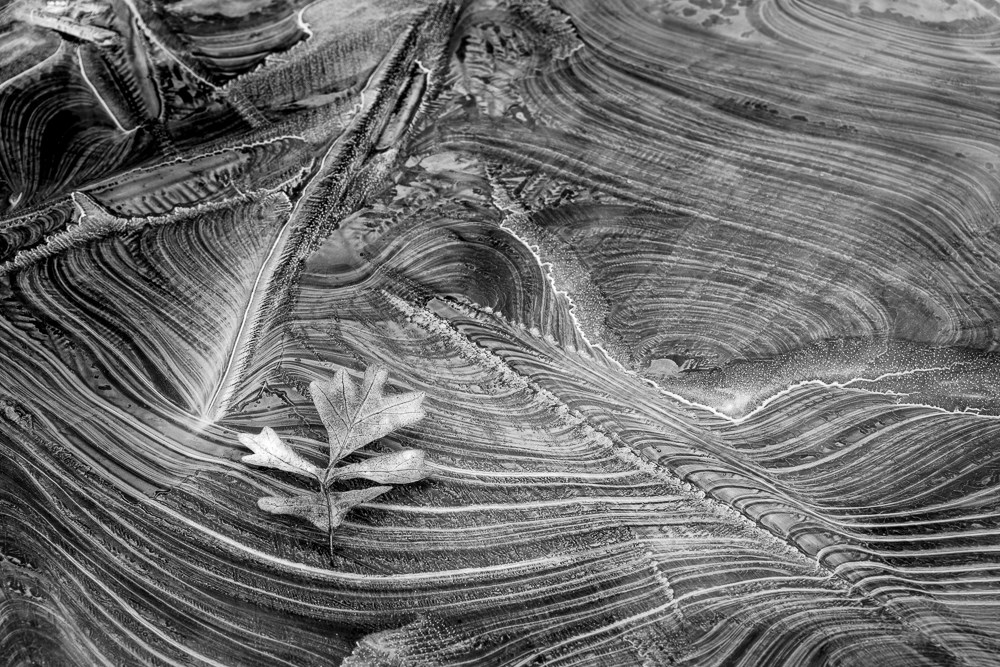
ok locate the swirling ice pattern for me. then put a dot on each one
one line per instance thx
(171, 293)
(831, 209)
(55, 116)
(577, 513)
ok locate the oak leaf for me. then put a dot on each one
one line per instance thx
(269, 451)
(402, 467)
(324, 510)
(313, 507)
(354, 416)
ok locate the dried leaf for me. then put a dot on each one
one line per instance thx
(271, 452)
(325, 511)
(355, 416)
(312, 507)
(343, 501)
(402, 467)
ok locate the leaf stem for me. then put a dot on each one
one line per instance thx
(329, 518)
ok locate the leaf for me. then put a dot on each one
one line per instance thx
(397, 468)
(312, 507)
(271, 452)
(341, 503)
(323, 510)
(356, 416)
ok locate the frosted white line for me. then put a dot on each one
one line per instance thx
(152, 38)
(100, 98)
